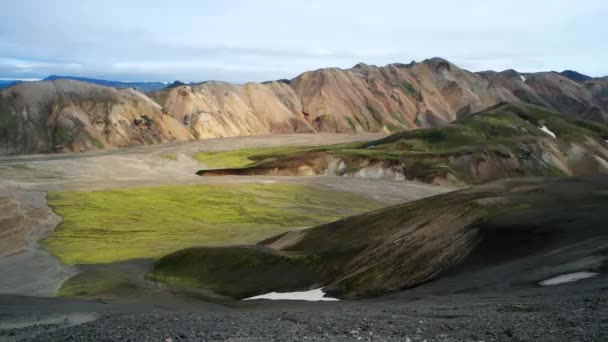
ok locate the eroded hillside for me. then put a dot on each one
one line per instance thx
(374, 99)
(67, 115)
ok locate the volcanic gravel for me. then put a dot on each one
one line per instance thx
(563, 313)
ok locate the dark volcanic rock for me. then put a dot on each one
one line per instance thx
(575, 76)
(567, 313)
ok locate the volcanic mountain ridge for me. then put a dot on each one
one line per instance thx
(68, 115)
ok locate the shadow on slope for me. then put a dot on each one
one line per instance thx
(523, 230)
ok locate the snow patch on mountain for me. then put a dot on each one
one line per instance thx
(548, 131)
(567, 278)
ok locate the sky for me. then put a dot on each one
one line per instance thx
(257, 40)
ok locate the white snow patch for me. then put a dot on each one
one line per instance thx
(546, 130)
(311, 296)
(523, 78)
(567, 278)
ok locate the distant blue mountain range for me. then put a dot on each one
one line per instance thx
(8, 83)
(141, 86)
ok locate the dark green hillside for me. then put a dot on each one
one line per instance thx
(522, 230)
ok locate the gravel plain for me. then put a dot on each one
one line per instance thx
(570, 312)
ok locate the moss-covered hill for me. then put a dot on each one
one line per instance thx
(522, 230)
(501, 142)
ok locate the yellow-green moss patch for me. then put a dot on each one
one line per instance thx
(114, 225)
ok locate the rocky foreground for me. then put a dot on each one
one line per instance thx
(569, 312)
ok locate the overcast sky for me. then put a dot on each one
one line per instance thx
(257, 40)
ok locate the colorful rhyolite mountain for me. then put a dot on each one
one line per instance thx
(70, 115)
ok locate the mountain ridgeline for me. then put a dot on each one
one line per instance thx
(141, 86)
(70, 115)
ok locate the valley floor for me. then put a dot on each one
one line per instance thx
(25, 181)
(454, 308)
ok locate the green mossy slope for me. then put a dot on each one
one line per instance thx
(115, 225)
(237, 272)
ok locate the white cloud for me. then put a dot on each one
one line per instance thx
(240, 40)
